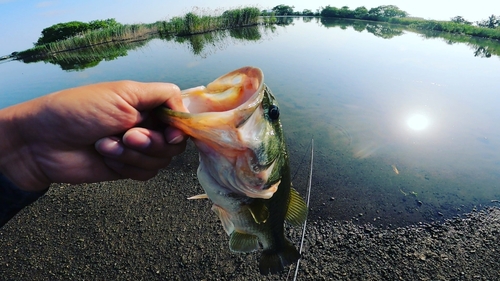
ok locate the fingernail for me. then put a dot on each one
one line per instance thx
(176, 140)
(109, 146)
(136, 139)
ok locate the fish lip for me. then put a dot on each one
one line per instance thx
(250, 77)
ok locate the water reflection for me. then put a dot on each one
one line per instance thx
(88, 57)
(417, 122)
(481, 47)
(381, 30)
(199, 44)
(206, 44)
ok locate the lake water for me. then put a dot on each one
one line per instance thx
(405, 125)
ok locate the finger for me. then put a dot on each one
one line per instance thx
(174, 135)
(128, 171)
(154, 143)
(114, 148)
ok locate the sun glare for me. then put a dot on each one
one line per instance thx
(418, 122)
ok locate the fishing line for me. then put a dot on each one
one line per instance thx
(307, 203)
(301, 161)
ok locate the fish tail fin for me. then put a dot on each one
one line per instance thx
(274, 260)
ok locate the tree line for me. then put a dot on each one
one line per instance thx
(192, 23)
(67, 30)
(380, 13)
(384, 11)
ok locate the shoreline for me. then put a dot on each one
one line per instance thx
(130, 230)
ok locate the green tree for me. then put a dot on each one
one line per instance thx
(491, 22)
(391, 11)
(66, 30)
(345, 12)
(459, 19)
(330, 11)
(386, 11)
(283, 10)
(307, 12)
(360, 12)
(61, 31)
(107, 23)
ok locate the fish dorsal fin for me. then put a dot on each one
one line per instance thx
(296, 213)
(243, 242)
(227, 224)
(259, 211)
(199, 196)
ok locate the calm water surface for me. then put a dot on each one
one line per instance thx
(405, 128)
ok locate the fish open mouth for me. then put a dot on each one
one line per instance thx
(217, 111)
(226, 120)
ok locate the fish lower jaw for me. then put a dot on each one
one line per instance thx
(261, 193)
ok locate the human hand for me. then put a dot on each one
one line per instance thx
(92, 133)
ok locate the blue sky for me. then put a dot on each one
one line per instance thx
(21, 21)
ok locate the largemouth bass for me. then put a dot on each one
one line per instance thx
(244, 167)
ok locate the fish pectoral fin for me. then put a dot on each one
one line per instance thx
(199, 196)
(296, 213)
(243, 242)
(227, 224)
(259, 211)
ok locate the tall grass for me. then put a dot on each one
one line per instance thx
(93, 38)
(448, 26)
(201, 21)
(196, 22)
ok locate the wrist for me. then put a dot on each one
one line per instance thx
(16, 159)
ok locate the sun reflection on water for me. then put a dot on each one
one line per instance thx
(417, 122)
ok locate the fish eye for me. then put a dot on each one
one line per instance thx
(273, 112)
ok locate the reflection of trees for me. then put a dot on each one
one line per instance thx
(307, 19)
(482, 47)
(382, 30)
(359, 25)
(208, 43)
(250, 33)
(482, 52)
(284, 20)
(87, 57)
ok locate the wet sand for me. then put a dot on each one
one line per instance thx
(130, 230)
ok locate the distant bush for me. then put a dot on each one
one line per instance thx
(380, 13)
(448, 26)
(70, 29)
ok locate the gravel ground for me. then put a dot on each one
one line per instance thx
(129, 230)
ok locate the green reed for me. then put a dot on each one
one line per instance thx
(196, 22)
(202, 21)
(448, 26)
